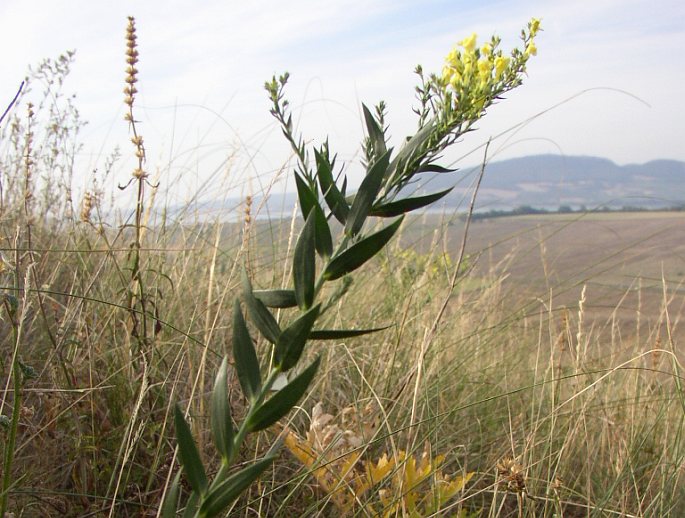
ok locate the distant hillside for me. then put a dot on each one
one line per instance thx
(540, 181)
(550, 181)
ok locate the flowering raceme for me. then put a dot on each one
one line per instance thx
(473, 77)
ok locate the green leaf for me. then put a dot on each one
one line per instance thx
(276, 298)
(366, 195)
(416, 142)
(434, 168)
(222, 427)
(283, 401)
(324, 240)
(307, 198)
(304, 265)
(225, 493)
(395, 208)
(190, 457)
(293, 339)
(337, 334)
(245, 356)
(360, 252)
(262, 317)
(191, 506)
(375, 133)
(411, 146)
(309, 202)
(333, 196)
(170, 504)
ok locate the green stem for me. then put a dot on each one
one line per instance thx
(254, 406)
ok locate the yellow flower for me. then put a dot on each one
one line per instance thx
(486, 49)
(469, 43)
(534, 26)
(501, 64)
(484, 70)
(453, 57)
(531, 49)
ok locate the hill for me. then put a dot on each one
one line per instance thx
(551, 181)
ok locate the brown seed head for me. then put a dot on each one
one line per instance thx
(86, 207)
(512, 475)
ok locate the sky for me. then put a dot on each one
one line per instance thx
(607, 81)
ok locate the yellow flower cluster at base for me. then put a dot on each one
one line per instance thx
(333, 455)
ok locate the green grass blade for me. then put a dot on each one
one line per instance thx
(221, 424)
(284, 400)
(293, 339)
(276, 298)
(366, 195)
(224, 494)
(360, 252)
(245, 356)
(190, 457)
(396, 208)
(304, 264)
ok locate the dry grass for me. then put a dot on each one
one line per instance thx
(553, 405)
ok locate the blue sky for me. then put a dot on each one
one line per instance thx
(203, 65)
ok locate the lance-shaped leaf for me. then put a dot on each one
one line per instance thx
(222, 427)
(366, 195)
(309, 202)
(338, 334)
(261, 316)
(360, 252)
(333, 196)
(376, 135)
(276, 298)
(434, 168)
(304, 265)
(191, 506)
(187, 450)
(244, 355)
(170, 504)
(283, 401)
(410, 147)
(293, 339)
(225, 493)
(398, 207)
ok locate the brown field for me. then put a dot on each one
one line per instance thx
(629, 264)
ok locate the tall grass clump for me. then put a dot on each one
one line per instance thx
(354, 361)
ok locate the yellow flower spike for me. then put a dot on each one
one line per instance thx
(469, 44)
